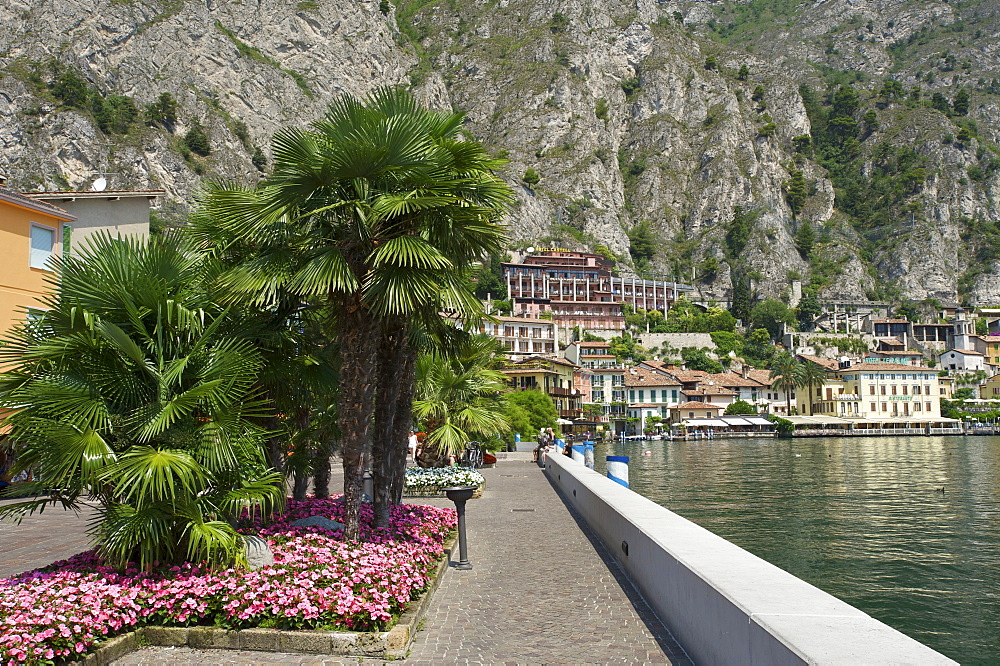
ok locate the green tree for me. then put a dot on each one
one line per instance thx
(115, 114)
(809, 308)
(771, 315)
(711, 62)
(530, 411)
(698, 359)
(739, 231)
(379, 211)
(559, 22)
(71, 89)
(757, 349)
(726, 342)
(196, 140)
(740, 407)
(810, 374)
(601, 109)
(531, 177)
(136, 391)
(940, 102)
(961, 104)
(744, 73)
(641, 242)
(796, 191)
(805, 238)
(163, 111)
(786, 375)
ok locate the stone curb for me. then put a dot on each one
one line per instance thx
(391, 644)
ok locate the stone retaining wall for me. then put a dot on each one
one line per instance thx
(723, 604)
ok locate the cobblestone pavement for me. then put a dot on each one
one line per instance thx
(41, 539)
(541, 590)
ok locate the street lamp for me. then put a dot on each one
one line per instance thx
(460, 495)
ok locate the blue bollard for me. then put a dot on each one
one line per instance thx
(578, 453)
(618, 469)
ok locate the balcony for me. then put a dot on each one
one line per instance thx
(562, 392)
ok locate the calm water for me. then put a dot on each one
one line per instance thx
(906, 529)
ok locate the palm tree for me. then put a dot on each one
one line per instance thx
(133, 390)
(459, 397)
(377, 210)
(786, 376)
(811, 373)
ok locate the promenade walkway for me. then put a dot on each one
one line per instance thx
(542, 589)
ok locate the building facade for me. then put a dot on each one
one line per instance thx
(521, 337)
(117, 213)
(877, 391)
(31, 234)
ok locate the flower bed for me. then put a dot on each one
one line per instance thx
(317, 582)
(429, 482)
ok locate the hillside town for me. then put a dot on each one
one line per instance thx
(569, 307)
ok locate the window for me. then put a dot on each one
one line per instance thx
(928, 405)
(871, 389)
(904, 389)
(873, 407)
(43, 241)
(673, 395)
(642, 395)
(883, 389)
(663, 395)
(631, 396)
(883, 407)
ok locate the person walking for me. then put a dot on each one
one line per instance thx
(412, 446)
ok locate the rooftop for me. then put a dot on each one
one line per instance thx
(25, 201)
(694, 404)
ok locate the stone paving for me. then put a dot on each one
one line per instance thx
(55, 534)
(542, 589)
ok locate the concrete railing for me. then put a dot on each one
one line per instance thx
(723, 604)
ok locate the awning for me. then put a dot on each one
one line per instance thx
(758, 420)
(708, 423)
(735, 421)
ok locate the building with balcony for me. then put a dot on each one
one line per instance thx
(521, 337)
(581, 289)
(31, 234)
(552, 376)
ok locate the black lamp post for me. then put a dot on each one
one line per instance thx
(460, 495)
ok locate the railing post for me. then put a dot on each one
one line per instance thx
(618, 469)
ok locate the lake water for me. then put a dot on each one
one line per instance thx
(905, 528)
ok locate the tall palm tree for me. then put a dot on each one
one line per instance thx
(378, 210)
(786, 375)
(811, 374)
(133, 390)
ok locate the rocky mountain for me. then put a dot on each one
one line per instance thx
(848, 148)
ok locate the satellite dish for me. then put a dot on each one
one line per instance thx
(530, 250)
(100, 184)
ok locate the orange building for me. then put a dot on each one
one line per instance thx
(31, 232)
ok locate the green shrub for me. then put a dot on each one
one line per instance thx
(196, 140)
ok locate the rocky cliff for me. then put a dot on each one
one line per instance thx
(683, 122)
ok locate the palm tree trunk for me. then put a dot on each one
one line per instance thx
(358, 348)
(321, 470)
(391, 349)
(300, 486)
(406, 379)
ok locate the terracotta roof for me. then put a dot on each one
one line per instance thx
(647, 404)
(892, 321)
(708, 390)
(827, 363)
(761, 376)
(528, 371)
(965, 351)
(25, 201)
(592, 345)
(886, 366)
(644, 377)
(730, 379)
(689, 375)
(693, 404)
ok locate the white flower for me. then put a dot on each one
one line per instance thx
(442, 477)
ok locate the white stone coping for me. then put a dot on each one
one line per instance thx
(724, 604)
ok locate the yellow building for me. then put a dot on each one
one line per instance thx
(552, 376)
(31, 233)
(877, 391)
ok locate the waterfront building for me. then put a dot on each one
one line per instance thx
(521, 337)
(989, 347)
(878, 391)
(603, 383)
(906, 357)
(581, 289)
(651, 393)
(31, 234)
(990, 389)
(694, 410)
(552, 376)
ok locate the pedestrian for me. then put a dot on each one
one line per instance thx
(412, 445)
